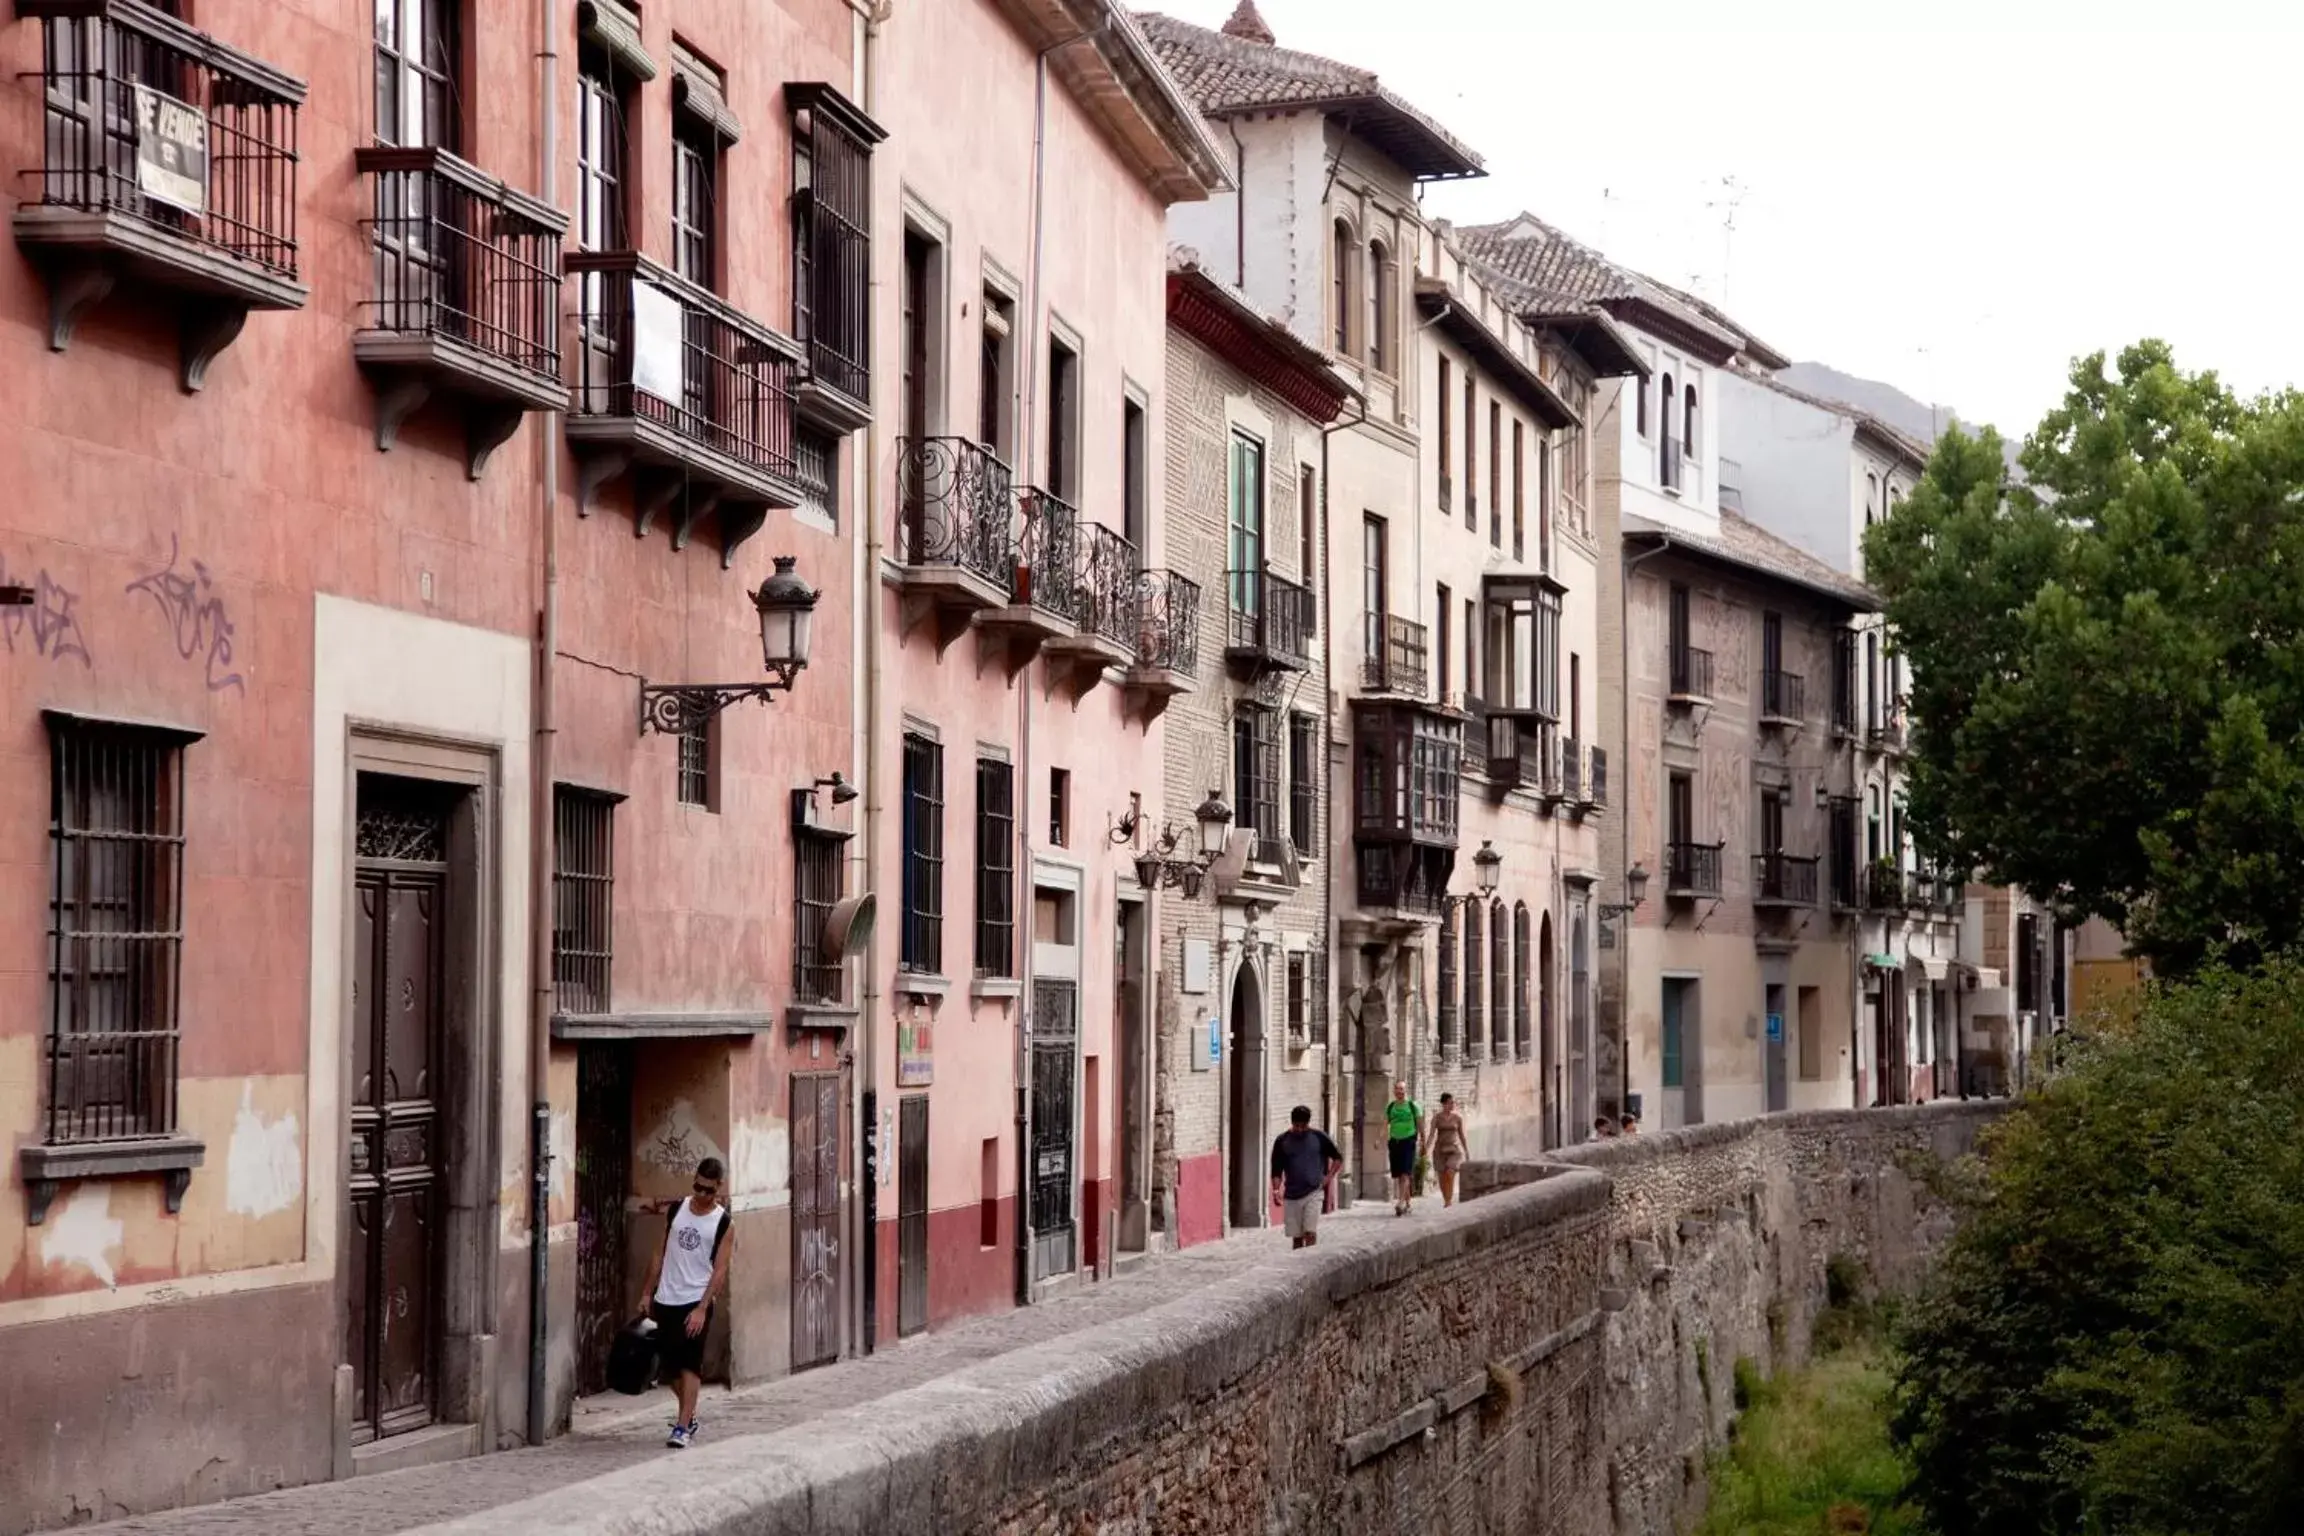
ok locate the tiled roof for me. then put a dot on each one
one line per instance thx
(1552, 268)
(1744, 543)
(1227, 74)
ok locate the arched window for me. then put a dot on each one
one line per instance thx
(1664, 404)
(1499, 984)
(1640, 408)
(1475, 998)
(1379, 307)
(1341, 263)
(1688, 419)
(1520, 1036)
(1450, 1042)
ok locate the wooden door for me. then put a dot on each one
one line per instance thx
(603, 1186)
(392, 1256)
(912, 1214)
(816, 1320)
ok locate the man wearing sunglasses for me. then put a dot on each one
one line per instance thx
(690, 1273)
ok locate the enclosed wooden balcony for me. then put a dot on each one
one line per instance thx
(1107, 598)
(955, 534)
(1167, 641)
(1272, 624)
(466, 304)
(1523, 754)
(684, 393)
(1407, 786)
(1394, 658)
(168, 165)
(1044, 596)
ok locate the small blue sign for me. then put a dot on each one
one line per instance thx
(1775, 1029)
(1215, 1041)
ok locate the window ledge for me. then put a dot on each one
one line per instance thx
(922, 984)
(824, 1016)
(47, 1167)
(996, 986)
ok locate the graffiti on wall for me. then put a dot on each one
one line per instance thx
(198, 620)
(49, 625)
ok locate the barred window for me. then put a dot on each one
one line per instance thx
(921, 947)
(1450, 1041)
(1520, 1009)
(815, 469)
(995, 868)
(583, 889)
(1475, 994)
(1299, 996)
(1304, 782)
(1499, 983)
(1316, 982)
(1256, 776)
(696, 754)
(116, 910)
(820, 879)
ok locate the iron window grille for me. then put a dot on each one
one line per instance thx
(832, 236)
(819, 880)
(921, 947)
(1299, 992)
(1499, 984)
(1450, 1041)
(1475, 994)
(583, 899)
(1303, 783)
(696, 762)
(1317, 1002)
(995, 868)
(815, 469)
(1256, 776)
(1522, 1040)
(116, 910)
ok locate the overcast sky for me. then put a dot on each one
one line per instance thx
(1959, 205)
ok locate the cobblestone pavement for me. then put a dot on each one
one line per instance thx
(615, 1432)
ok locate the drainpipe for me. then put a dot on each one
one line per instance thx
(1631, 563)
(1328, 1074)
(1239, 208)
(866, 1243)
(540, 806)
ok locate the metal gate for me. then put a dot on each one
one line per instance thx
(912, 1214)
(1055, 1065)
(392, 1256)
(815, 1218)
(603, 1186)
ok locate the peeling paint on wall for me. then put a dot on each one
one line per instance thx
(264, 1169)
(84, 1233)
(677, 1143)
(762, 1159)
(563, 1144)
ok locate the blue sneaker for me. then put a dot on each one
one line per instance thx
(680, 1437)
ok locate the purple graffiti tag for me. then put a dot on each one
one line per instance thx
(197, 618)
(51, 620)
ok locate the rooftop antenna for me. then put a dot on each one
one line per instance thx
(1730, 200)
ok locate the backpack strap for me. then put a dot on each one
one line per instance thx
(720, 1232)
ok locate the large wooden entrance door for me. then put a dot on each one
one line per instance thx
(815, 1219)
(396, 1207)
(603, 1187)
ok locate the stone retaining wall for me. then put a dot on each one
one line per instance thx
(1550, 1359)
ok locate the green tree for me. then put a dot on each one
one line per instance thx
(2107, 659)
(2113, 1340)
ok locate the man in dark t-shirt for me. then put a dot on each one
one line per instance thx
(1303, 1161)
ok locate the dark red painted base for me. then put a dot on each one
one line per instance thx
(965, 1277)
(1199, 1199)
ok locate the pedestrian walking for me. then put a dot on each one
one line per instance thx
(1631, 1125)
(1604, 1128)
(689, 1275)
(1445, 1139)
(1303, 1161)
(1404, 1127)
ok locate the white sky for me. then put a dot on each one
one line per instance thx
(1958, 205)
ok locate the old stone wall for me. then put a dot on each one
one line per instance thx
(1553, 1358)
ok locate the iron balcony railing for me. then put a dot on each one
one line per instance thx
(657, 347)
(1110, 586)
(1783, 879)
(1599, 776)
(461, 257)
(1271, 617)
(955, 506)
(1394, 655)
(1691, 673)
(1519, 751)
(1783, 695)
(1168, 621)
(1885, 889)
(1572, 769)
(1888, 734)
(1692, 869)
(110, 69)
(1046, 575)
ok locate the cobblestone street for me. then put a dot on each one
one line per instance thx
(615, 1432)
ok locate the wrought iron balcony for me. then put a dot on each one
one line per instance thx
(1523, 754)
(1885, 889)
(1783, 880)
(1691, 675)
(690, 395)
(168, 160)
(466, 301)
(1888, 734)
(955, 532)
(1167, 639)
(1783, 697)
(1402, 880)
(1692, 869)
(1271, 624)
(1043, 587)
(1393, 658)
(1107, 598)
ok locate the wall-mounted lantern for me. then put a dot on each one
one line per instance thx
(787, 608)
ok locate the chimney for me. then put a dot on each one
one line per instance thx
(1247, 24)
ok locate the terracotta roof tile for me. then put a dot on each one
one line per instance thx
(1553, 268)
(1742, 542)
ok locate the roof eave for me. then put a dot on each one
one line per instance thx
(1439, 303)
(1418, 147)
(1259, 345)
(1121, 83)
(1853, 597)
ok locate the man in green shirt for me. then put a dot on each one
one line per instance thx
(1403, 1124)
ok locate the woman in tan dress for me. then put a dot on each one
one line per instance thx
(1444, 1141)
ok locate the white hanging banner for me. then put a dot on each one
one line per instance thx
(171, 150)
(659, 329)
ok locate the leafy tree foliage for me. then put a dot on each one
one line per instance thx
(2107, 659)
(2113, 1341)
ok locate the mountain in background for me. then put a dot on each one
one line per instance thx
(1913, 418)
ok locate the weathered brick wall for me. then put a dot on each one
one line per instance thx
(1527, 1364)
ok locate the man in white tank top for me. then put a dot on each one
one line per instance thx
(689, 1275)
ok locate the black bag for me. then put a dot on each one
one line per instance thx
(632, 1358)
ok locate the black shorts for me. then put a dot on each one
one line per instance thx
(1403, 1151)
(675, 1350)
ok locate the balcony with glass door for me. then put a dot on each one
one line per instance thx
(1270, 623)
(1167, 640)
(1107, 612)
(1781, 880)
(955, 538)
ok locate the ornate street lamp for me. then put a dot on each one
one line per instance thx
(1158, 866)
(787, 609)
(1487, 866)
(1635, 886)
